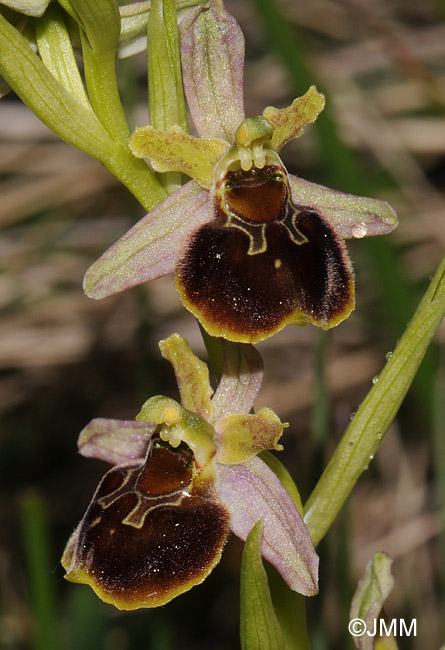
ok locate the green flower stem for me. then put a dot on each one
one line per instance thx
(100, 76)
(69, 118)
(166, 101)
(136, 176)
(365, 433)
(56, 52)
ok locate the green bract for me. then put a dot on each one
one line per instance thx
(369, 598)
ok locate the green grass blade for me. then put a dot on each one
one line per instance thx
(39, 564)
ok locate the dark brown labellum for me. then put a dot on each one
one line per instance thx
(148, 535)
(264, 262)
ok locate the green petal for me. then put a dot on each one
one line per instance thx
(288, 123)
(192, 375)
(175, 150)
(260, 629)
(243, 436)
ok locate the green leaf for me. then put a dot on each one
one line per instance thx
(27, 7)
(165, 91)
(133, 36)
(371, 593)
(100, 76)
(166, 101)
(259, 628)
(69, 118)
(46, 97)
(290, 608)
(100, 21)
(100, 24)
(376, 413)
(56, 52)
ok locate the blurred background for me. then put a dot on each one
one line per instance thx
(65, 359)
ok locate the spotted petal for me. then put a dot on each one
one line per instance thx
(253, 492)
(116, 441)
(351, 216)
(150, 249)
(212, 49)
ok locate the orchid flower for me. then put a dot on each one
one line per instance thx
(183, 475)
(253, 247)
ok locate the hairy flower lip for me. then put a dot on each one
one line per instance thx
(161, 501)
(302, 277)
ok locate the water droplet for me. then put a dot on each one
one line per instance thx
(388, 356)
(352, 415)
(365, 468)
(375, 379)
(371, 456)
(359, 230)
(379, 436)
